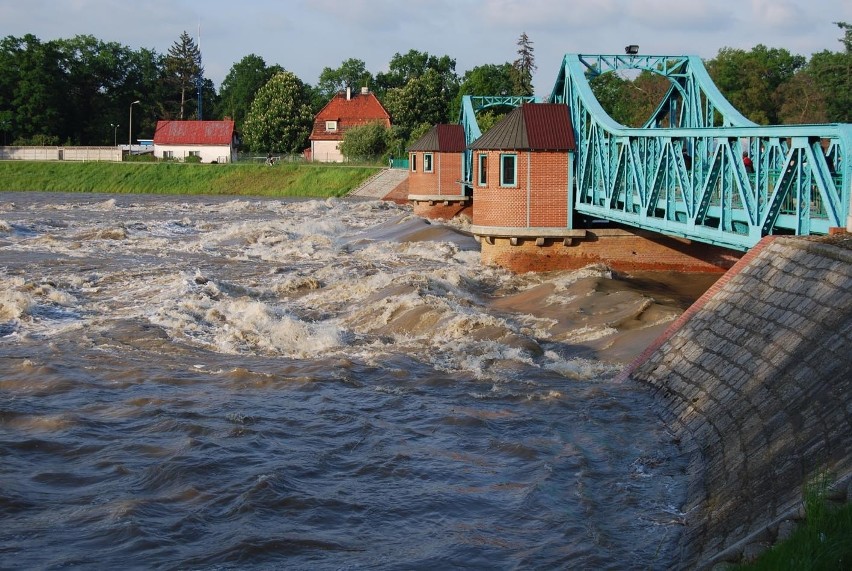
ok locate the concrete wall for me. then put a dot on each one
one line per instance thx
(61, 153)
(755, 380)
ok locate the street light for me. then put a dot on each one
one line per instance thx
(130, 128)
(114, 133)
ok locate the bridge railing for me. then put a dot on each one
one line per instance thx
(691, 178)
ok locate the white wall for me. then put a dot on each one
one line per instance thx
(326, 152)
(208, 154)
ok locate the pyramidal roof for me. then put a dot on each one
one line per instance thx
(441, 138)
(531, 127)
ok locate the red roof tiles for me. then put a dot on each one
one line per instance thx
(360, 109)
(532, 126)
(194, 133)
(441, 138)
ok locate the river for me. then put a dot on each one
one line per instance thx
(241, 383)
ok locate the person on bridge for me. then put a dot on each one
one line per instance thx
(749, 166)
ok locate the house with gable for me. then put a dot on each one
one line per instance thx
(210, 141)
(344, 111)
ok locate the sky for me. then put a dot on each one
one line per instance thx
(306, 36)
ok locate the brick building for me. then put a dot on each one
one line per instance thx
(522, 169)
(436, 171)
(522, 192)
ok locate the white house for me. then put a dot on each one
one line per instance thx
(211, 141)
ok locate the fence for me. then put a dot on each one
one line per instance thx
(109, 154)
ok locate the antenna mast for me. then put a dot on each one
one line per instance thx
(198, 78)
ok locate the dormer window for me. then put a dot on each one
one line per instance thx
(331, 125)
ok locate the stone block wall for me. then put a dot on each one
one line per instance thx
(755, 380)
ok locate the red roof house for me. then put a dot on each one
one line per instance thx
(344, 111)
(211, 141)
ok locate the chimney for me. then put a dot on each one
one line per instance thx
(348, 93)
(365, 90)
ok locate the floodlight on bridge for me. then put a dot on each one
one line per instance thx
(632, 49)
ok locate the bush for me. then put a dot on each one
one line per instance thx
(365, 142)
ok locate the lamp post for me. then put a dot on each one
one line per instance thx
(130, 128)
(115, 127)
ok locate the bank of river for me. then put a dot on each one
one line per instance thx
(282, 180)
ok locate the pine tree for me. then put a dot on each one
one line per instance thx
(524, 66)
(183, 67)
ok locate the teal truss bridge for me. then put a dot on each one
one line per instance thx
(685, 171)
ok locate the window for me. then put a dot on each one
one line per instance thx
(194, 153)
(331, 125)
(168, 154)
(483, 169)
(509, 170)
(413, 162)
(427, 162)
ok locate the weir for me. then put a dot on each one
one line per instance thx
(697, 170)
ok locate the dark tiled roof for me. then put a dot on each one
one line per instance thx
(442, 139)
(194, 133)
(531, 127)
(360, 109)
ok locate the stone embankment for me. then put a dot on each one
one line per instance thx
(382, 184)
(755, 380)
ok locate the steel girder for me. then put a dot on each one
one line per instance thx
(690, 178)
(471, 105)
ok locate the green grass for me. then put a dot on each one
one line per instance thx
(309, 180)
(823, 541)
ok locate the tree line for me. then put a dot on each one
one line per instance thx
(79, 91)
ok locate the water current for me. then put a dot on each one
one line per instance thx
(239, 383)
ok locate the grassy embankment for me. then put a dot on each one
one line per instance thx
(822, 542)
(309, 180)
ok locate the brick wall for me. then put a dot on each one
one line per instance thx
(441, 211)
(443, 180)
(539, 199)
(755, 380)
(621, 249)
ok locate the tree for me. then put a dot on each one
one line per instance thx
(750, 80)
(368, 141)
(412, 65)
(611, 92)
(241, 85)
(183, 68)
(524, 66)
(352, 73)
(280, 118)
(802, 101)
(32, 85)
(643, 96)
(421, 100)
(489, 79)
(832, 75)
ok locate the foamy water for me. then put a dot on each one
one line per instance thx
(203, 382)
